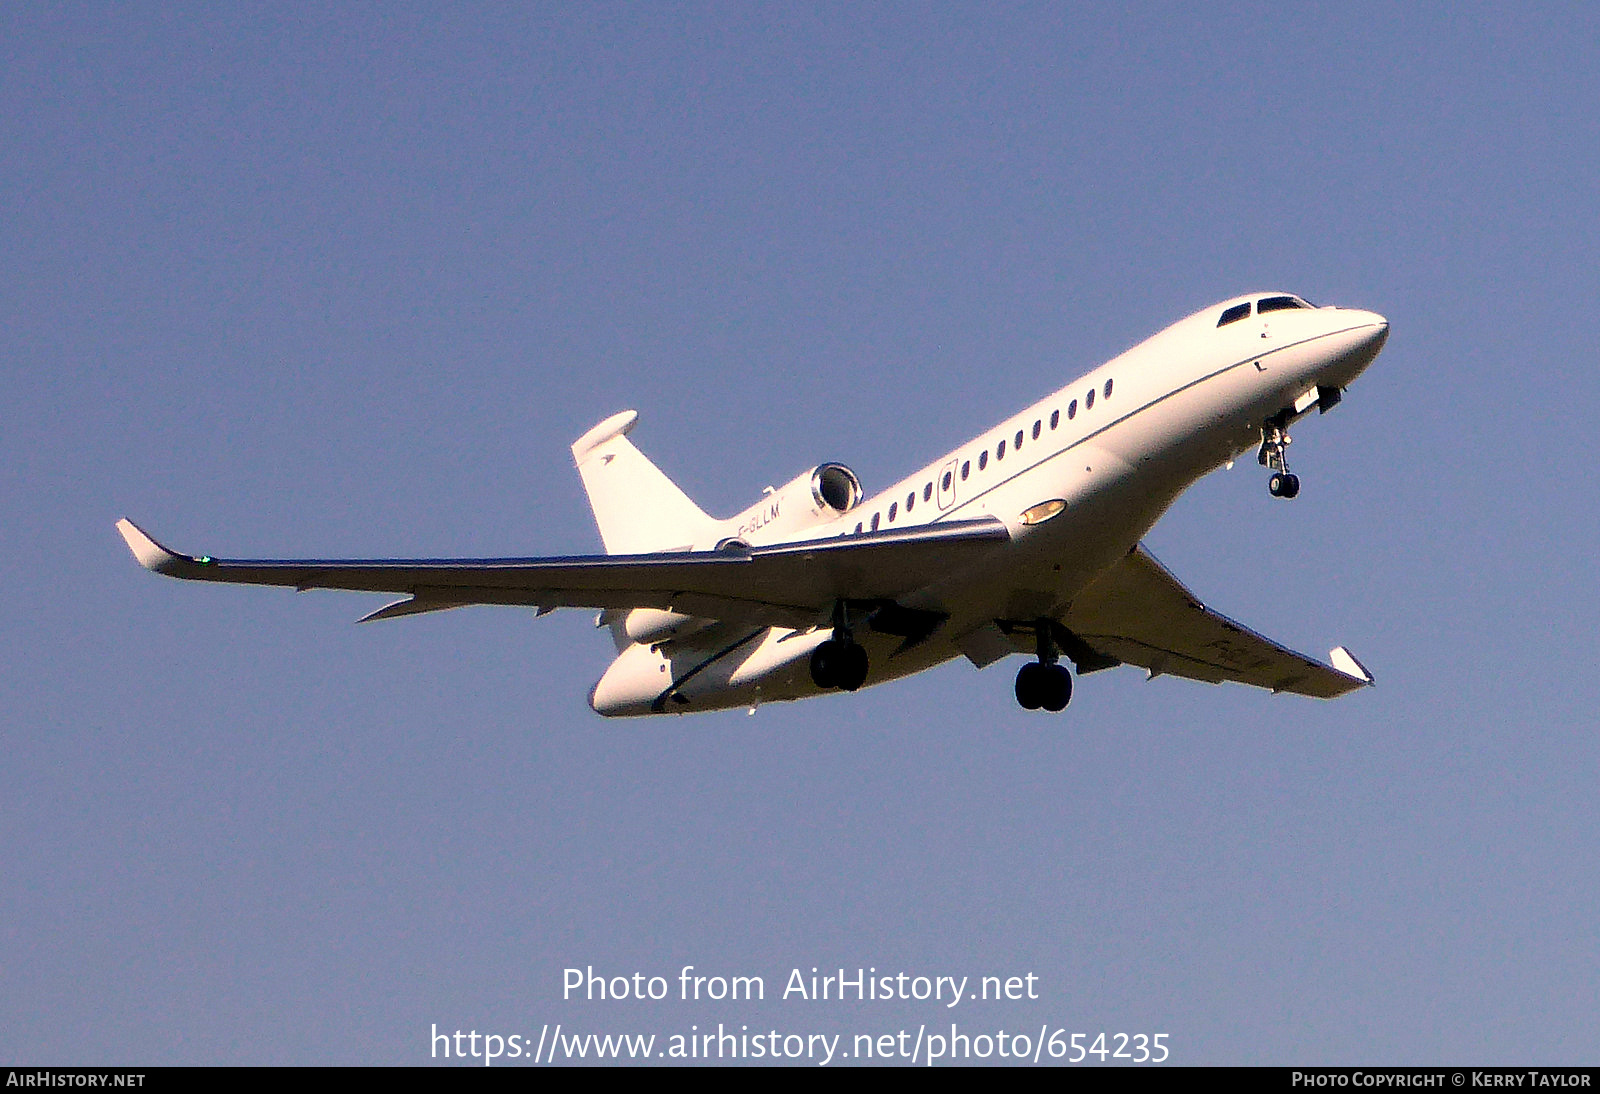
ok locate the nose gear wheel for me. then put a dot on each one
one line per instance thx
(1274, 454)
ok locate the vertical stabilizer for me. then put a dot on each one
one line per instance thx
(638, 509)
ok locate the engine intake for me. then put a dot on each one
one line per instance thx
(834, 485)
(813, 497)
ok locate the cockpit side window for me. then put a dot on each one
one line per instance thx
(1234, 314)
(1279, 303)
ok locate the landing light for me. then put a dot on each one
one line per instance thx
(1042, 512)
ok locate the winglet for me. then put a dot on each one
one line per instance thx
(151, 555)
(162, 560)
(1345, 661)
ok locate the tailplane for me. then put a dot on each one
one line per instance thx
(638, 509)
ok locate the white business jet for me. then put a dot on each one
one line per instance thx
(1024, 540)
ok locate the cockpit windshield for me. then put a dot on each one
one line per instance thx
(1262, 307)
(1234, 314)
(1279, 303)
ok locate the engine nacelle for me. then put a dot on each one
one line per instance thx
(811, 498)
(652, 625)
(652, 679)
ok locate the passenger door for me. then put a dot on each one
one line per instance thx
(947, 485)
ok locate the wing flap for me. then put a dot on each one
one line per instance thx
(1139, 613)
(414, 605)
(788, 584)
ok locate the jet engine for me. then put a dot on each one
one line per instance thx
(811, 498)
(651, 625)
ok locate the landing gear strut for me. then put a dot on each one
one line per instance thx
(1273, 454)
(1045, 683)
(840, 662)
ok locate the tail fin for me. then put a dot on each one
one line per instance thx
(638, 509)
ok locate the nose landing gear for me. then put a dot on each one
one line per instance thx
(1044, 684)
(1274, 445)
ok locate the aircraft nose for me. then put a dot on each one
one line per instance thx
(1370, 329)
(1357, 343)
(1380, 332)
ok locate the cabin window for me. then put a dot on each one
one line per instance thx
(1234, 314)
(1088, 400)
(911, 500)
(1108, 389)
(927, 489)
(858, 527)
(894, 507)
(1279, 303)
(874, 522)
(1055, 418)
(1072, 409)
(1018, 442)
(1000, 451)
(1036, 426)
(965, 467)
(983, 459)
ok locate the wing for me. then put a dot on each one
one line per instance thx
(789, 584)
(1139, 613)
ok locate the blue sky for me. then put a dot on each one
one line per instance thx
(348, 281)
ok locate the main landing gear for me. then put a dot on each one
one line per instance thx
(840, 662)
(1044, 684)
(1273, 454)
